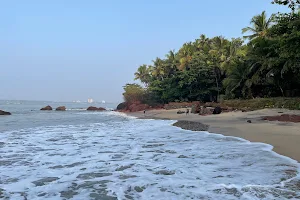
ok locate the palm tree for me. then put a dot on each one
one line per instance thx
(172, 63)
(158, 70)
(185, 55)
(143, 74)
(260, 25)
(238, 80)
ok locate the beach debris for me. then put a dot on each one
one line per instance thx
(4, 113)
(46, 108)
(93, 108)
(249, 121)
(61, 108)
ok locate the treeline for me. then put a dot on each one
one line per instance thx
(265, 64)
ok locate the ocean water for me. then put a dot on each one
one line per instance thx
(107, 155)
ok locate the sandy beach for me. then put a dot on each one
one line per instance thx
(283, 136)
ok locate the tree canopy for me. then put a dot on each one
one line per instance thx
(207, 69)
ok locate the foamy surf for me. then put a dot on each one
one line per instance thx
(125, 158)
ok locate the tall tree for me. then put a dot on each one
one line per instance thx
(143, 74)
(260, 25)
(292, 4)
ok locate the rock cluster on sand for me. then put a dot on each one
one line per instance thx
(205, 110)
(47, 108)
(61, 108)
(192, 126)
(93, 108)
(136, 106)
(178, 105)
(4, 113)
(283, 118)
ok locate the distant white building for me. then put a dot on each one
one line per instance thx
(90, 100)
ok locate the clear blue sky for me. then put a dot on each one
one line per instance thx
(65, 50)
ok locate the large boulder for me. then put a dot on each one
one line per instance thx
(205, 111)
(47, 108)
(61, 108)
(122, 106)
(4, 113)
(93, 108)
(196, 108)
(138, 107)
(217, 110)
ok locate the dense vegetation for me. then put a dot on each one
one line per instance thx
(265, 64)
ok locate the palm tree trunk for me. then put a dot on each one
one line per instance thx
(281, 90)
(217, 83)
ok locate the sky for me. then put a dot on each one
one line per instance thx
(65, 50)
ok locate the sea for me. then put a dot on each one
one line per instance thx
(79, 154)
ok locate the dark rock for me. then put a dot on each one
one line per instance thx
(217, 110)
(122, 106)
(61, 108)
(192, 126)
(4, 113)
(249, 121)
(180, 112)
(47, 108)
(93, 108)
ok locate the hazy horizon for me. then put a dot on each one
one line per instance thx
(74, 50)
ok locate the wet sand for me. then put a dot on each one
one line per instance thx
(283, 136)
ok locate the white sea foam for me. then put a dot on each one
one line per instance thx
(139, 159)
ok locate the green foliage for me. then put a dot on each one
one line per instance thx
(260, 26)
(133, 93)
(207, 68)
(290, 3)
(260, 103)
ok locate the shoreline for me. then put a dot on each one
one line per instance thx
(283, 136)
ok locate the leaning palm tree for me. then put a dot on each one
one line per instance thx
(260, 26)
